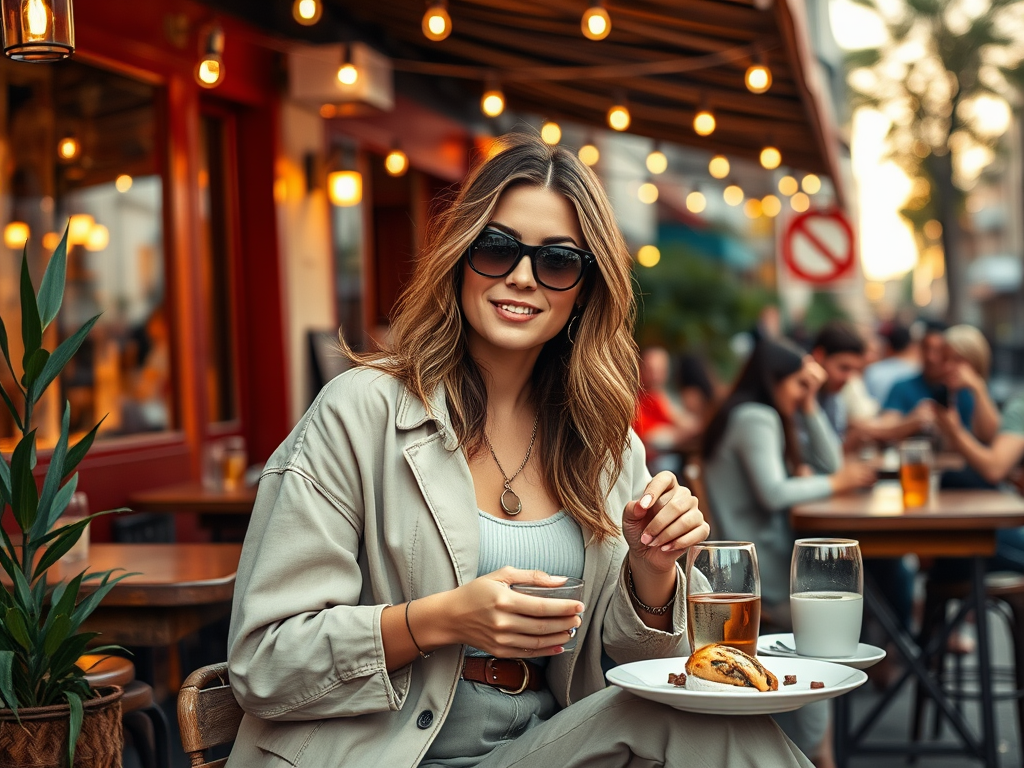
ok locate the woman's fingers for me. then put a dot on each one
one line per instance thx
(678, 527)
(660, 484)
(678, 505)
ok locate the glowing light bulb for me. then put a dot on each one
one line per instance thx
(733, 195)
(799, 202)
(758, 78)
(396, 163)
(648, 255)
(648, 193)
(788, 186)
(16, 234)
(98, 238)
(307, 12)
(348, 74)
(771, 206)
(123, 183)
(596, 23)
(719, 166)
(696, 202)
(68, 148)
(345, 188)
(589, 154)
(51, 240)
(551, 132)
(657, 162)
(210, 69)
(811, 184)
(752, 208)
(771, 158)
(704, 123)
(437, 24)
(38, 19)
(79, 227)
(618, 118)
(493, 102)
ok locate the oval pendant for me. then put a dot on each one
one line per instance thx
(511, 511)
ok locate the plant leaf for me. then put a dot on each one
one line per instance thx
(31, 328)
(34, 366)
(14, 619)
(60, 357)
(62, 543)
(89, 604)
(51, 289)
(23, 486)
(61, 501)
(7, 681)
(57, 634)
(79, 449)
(44, 520)
(11, 408)
(75, 726)
(5, 346)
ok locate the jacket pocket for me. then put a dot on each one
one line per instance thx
(288, 741)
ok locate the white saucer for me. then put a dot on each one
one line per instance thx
(866, 655)
(649, 679)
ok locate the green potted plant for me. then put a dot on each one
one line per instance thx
(48, 705)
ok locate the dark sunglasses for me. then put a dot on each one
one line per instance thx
(557, 267)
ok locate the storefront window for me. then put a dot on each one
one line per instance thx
(81, 144)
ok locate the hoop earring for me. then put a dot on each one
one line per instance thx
(569, 329)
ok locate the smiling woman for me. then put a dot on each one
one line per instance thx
(488, 446)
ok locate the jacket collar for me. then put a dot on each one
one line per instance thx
(412, 413)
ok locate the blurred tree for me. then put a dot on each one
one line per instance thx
(692, 303)
(945, 78)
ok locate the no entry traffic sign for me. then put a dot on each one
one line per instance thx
(818, 247)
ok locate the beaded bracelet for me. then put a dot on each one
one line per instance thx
(644, 606)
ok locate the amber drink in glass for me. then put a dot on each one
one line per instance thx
(723, 595)
(915, 472)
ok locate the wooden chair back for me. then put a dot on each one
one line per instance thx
(208, 714)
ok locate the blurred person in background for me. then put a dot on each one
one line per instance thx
(751, 457)
(901, 361)
(696, 389)
(968, 364)
(840, 351)
(665, 428)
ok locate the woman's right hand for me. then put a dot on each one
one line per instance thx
(486, 614)
(852, 475)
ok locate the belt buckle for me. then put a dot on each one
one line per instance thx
(526, 677)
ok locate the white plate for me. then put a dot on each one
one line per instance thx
(649, 680)
(866, 655)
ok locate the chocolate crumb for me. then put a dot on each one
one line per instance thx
(817, 684)
(677, 680)
(790, 680)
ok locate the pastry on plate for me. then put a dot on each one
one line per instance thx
(718, 667)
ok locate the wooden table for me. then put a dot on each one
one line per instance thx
(954, 524)
(179, 589)
(887, 464)
(224, 512)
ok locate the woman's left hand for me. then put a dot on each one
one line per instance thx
(663, 524)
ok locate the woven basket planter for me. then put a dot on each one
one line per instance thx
(41, 740)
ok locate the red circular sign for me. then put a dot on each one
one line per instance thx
(818, 246)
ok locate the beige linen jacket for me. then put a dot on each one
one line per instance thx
(370, 502)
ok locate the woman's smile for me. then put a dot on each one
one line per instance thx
(515, 311)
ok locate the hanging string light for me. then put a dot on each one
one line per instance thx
(596, 23)
(589, 153)
(648, 193)
(733, 195)
(210, 69)
(771, 158)
(811, 184)
(619, 117)
(437, 24)
(551, 132)
(752, 208)
(307, 12)
(648, 255)
(788, 186)
(704, 122)
(348, 74)
(800, 202)
(397, 162)
(771, 206)
(758, 77)
(657, 163)
(38, 30)
(16, 234)
(68, 148)
(719, 166)
(492, 103)
(345, 188)
(696, 202)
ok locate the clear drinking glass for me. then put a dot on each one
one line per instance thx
(826, 597)
(213, 465)
(572, 589)
(723, 595)
(915, 471)
(235, 462)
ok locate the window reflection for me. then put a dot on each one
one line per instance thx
(80, 144)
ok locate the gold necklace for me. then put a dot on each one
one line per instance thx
(513, 511)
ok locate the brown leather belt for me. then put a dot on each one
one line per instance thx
(512, 676)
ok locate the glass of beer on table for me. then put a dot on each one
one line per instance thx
(826, 597)
(723, 595)
(915, 471)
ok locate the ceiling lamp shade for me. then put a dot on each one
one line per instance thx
(307, 12)
(596, 24)
(437, 24)
(38, 30)
(348, 74)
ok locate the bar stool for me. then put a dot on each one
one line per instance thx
(1006, 589)
(141, 716)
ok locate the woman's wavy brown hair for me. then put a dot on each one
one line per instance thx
(584, 388)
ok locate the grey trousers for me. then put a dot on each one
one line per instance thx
(614, 729)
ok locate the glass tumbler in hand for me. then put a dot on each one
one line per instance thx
(826, 596)
(723, 595)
